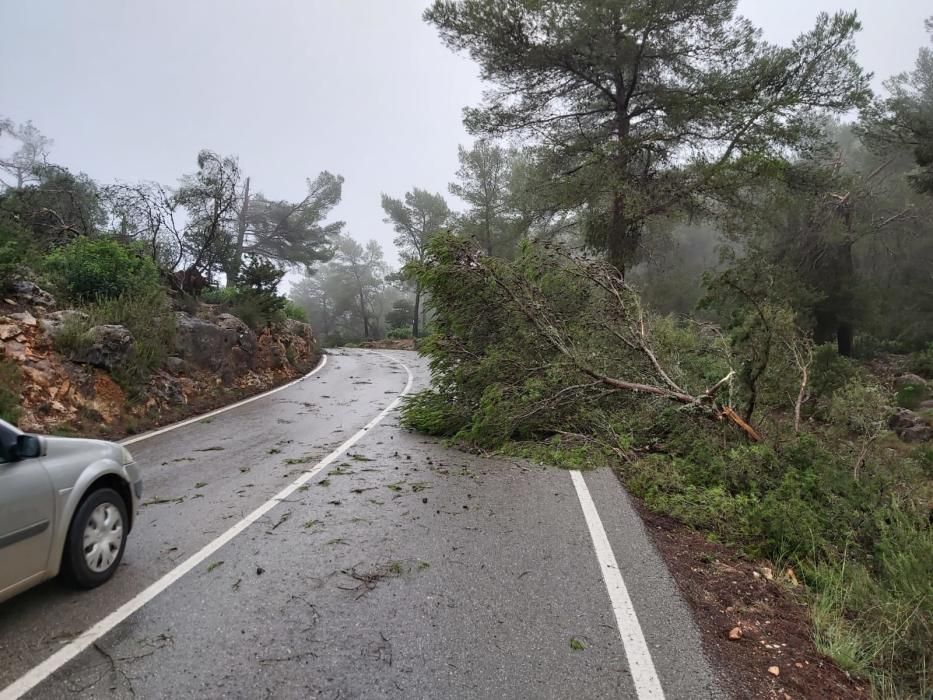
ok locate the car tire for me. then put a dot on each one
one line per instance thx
(96, 539)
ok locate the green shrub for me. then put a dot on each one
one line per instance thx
(861, 407)
(89, 269)
(921, 362)
(10, 387)
(72, 338)
(399, 333)
(13, 250)
(148, 316)
(219, 295)
(254, 299)
(911, 396)
(829, 371)
(431, 413)
(257, 302)
(875, 616)
(295, 312)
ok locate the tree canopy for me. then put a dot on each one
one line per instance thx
(647, 109)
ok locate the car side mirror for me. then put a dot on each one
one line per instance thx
(27, 447)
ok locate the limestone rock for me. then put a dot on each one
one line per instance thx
(9, 331)
(202, 343)
(31, 293)
(107, 348)
(54, 322)
(25, 318)
(910, 427)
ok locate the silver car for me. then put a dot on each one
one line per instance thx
(66, 505)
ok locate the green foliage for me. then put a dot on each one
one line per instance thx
(861, 408)
(72, 338)
(921, 362)
(292, 234)
(55, 206)
(348, 297)
(89, 269)
(13, 250)
(401, 315)
(431, 413)
(10, 387)
(904, 117)
(834, 493)
(485, 182)
(623, 158)
(911, 396)
(146, 314)
(399, 333)
(829, 372)
(255, 299)
(254, 311)
(219, 295)
(295, 312)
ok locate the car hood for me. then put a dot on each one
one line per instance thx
(91, 450)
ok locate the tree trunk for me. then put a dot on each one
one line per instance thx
(414, 323)
(364, 315)
(488, 230)
(844, 336)
(615, 245)
(237, 261)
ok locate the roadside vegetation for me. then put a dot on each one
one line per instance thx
(720, 292)
(133, 255)
(670, 250)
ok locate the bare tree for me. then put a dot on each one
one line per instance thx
(32, 153)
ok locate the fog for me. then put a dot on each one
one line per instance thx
(132, 90)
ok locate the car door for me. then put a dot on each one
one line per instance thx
(27, 506)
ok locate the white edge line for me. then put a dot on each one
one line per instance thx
(39, 673)
(640, 664)
(195, 419)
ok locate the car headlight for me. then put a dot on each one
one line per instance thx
(127, 457)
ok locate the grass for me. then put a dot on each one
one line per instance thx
(146, 314)
(863, 548)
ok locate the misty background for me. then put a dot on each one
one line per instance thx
(132, 91)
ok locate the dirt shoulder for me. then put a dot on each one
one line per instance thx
(734, 597)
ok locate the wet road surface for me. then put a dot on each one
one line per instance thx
(403, 569)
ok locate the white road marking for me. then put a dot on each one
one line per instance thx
(640, 664)
(39, 673)
(195, 419)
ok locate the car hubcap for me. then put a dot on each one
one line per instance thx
(103, 536)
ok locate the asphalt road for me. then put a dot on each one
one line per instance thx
(400, 569)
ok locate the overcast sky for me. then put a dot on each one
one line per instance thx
(132, 90)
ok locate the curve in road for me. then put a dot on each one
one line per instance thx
(387, 566)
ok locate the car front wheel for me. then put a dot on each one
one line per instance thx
(96, 539)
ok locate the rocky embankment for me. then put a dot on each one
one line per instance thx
(215, 359)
